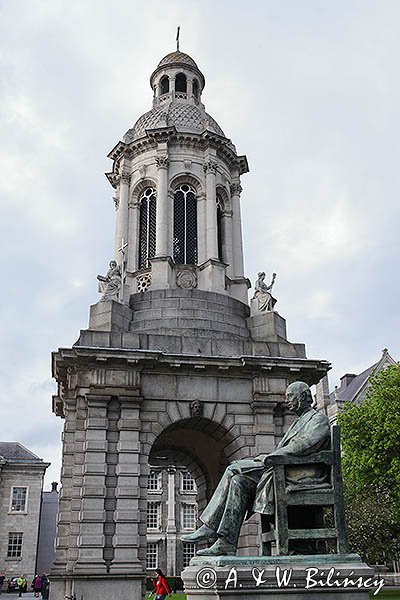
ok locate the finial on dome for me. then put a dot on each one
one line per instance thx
(177, 38)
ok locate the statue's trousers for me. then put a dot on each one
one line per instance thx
(233, 497)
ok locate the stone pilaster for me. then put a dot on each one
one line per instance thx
(210, 169)
(228, 242)
(238, 268)
(268, 393)
(65, 540)
(122, 212)
(91, 528)
(162, 206)
(201, 229)
(128, 536)
(132, 250)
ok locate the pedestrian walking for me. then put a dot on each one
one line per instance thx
(45, 586)
(162, 587)
(22, 583)
(2, 578)
(37, 586)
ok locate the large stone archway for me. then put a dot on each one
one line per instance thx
(203, 441)
(195, 447)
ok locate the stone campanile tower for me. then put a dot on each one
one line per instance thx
(173, 368)
(177, 182)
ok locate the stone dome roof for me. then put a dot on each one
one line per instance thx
(185, 117)
(178, 60)
(177, 57)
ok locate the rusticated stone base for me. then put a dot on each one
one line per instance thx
(280, 577)
(95, 588)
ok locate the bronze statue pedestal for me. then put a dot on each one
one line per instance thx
(311, 577)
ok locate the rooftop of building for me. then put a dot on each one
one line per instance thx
(177, 57)
(16, 452)
(351, 384)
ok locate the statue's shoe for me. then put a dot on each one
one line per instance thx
(220, 548)
(203, 533)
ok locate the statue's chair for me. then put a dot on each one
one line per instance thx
(309, 518)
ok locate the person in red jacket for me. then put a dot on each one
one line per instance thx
(162, 587)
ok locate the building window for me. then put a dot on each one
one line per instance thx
(154, 482)
(164, 85)
(185, 226)
(189, 550)
(180, 83)
(219, 226)
(19, 496)
(14, 549)
(188, 516)
(152, 556)
(188, 484)
(147, 227)
(153, 515)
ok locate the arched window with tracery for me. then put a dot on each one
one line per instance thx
(185, 225)
(220, 211)
(147, 227)
(164, 85)
(180, 83)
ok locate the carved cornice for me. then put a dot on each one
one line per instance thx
(236, 189)
(210, 166)
(162, 162)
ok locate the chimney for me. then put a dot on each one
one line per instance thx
(54, 486)
(346, 379)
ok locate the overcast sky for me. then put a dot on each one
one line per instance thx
(308, 90)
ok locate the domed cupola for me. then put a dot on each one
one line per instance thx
(177, 77)
(177, 182)
(177, 83)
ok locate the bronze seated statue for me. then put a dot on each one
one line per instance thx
(290, 488)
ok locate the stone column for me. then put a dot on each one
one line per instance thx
(171, 522)
(228, 242)
(91, 530)
(128, 535)
(201, 229)
(170, 209)
(162, 206)
(238, 268)
(122, 212)
(133, 236)
(172, 86)
(189, 88)
(210, 169)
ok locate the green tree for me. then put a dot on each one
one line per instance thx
(371, 468)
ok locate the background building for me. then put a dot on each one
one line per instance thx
(21, 484)
(171, 511)
(352, 388)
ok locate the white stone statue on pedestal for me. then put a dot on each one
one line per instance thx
(263, 293)
(110, 284)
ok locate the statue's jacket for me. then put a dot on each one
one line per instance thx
(309, 434)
